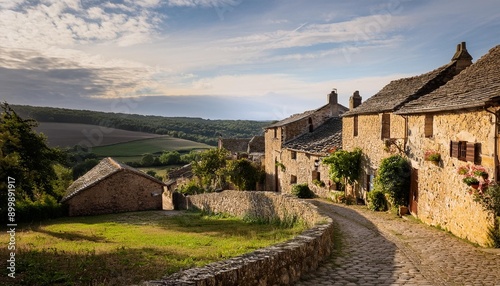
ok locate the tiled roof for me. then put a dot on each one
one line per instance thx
(235, 145)
(299, 116)
(401, 91)
(184, 171)
(257, 145)
(324, 138)
(476, 86)
(100, 172)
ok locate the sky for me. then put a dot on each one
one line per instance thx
(227, 59)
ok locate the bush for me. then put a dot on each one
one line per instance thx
(302, 191)
(394, 179)
(44, 208)
(190, 188)
(377, 201)
(319, 183)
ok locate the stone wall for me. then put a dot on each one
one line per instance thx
(272, 155)
(373, 147)
(304, 170)
(280, 264)
(443, 197)
(121, 192)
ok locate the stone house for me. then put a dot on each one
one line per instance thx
(250, 148)
(460, 121)
(283, 132)
(111, 187)
(377, 130)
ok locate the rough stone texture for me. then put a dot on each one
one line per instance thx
(370, 141)
(280, 264)
(302, 167)
(443, 197)
(120, 192)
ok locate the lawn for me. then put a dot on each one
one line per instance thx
(123, 249)
(133, 150)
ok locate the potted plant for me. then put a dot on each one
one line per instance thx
(432, 156)
(471, 181)
(479, 171)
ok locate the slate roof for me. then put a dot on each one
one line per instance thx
(299, 116)
(100, 172)
(185, 171)
(324, 138)
(398, 92)
(235, 145)
(257, 145)
(476, 86)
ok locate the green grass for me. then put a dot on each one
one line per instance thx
(135, 149)
(123, 249)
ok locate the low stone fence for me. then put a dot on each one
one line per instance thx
(280, 264)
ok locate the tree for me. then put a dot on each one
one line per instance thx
(170, 158)
(209, 167)
(25, 156)
(344, 165)
(243, 174)
(147, 160)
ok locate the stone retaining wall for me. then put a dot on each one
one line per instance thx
(280, 264)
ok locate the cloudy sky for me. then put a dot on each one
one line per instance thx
(226, 59)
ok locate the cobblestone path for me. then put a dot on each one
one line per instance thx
(382, 249)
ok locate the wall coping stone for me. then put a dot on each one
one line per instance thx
(279, 264)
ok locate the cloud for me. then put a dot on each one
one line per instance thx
(204, 3)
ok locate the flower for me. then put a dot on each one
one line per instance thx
(469, 180)
(479, 171)
(464, 170)
(431, 155)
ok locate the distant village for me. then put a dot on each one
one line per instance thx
(452, 111)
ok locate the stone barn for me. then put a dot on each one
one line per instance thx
(111, 187)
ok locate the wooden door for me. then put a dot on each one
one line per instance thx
(414, 192)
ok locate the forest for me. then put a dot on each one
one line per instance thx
(196, 129)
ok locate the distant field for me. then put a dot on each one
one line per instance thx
(133, 150)
(71, 134)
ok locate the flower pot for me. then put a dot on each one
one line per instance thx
(475, 186)
(435, 162)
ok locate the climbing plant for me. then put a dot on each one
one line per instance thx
(344, 165)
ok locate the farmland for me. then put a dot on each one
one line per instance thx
(134, 150)
(70, 134)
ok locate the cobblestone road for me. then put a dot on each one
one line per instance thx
(382, 249)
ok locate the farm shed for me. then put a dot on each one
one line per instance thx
(111, 187)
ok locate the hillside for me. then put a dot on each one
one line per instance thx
(71, 134)
(195, 129)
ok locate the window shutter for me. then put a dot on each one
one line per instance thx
(472, 152)
(355, 127)
(386, 126)
(428, 127)
(454, 149)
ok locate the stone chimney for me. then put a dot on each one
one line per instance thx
(462, 57)
(354, 100)
(333, 102)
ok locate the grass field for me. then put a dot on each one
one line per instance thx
(124, 249)
(133, 150)
(71, 134)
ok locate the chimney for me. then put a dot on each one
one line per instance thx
(462, 57)
(355, 100)
(333, 102)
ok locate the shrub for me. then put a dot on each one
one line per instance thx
(191, 188)
(394, 179)
(377, 201)
(302, 191)
(319, 183)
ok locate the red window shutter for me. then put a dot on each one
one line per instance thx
(454, 149)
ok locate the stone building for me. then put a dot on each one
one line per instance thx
(278, 135)
(251, 148)
(373, 126)
(460, 121)
(111, 187)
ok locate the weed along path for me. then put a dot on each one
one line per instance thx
(381, 249)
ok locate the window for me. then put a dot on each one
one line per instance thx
(275, 132)
(293, 179)
(465, 151)
(428, 127)
(355, 127)
(293, 155)
(386, 126)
